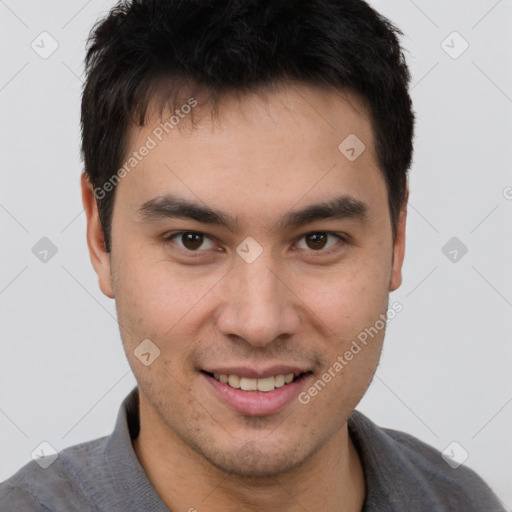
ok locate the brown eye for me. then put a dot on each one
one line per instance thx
(316, 240)
(190, 240)
(319, 240)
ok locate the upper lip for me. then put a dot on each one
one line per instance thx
(257, 373)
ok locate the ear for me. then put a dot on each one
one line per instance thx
(100, 258)
(399, 246)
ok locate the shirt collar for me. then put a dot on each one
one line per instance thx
(128, 476)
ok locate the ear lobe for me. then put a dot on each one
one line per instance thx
(100, 258)
(399, 247)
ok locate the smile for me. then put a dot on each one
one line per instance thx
(251, 396)
(264, 385)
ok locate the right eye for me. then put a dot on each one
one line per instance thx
(189, 241)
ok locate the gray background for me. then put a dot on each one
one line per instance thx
(445, 371)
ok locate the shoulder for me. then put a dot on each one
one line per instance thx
(455, 486)
(403, 469)
(61, 486)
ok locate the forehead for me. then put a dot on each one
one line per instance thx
(280, 147)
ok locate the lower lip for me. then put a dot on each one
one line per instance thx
(258, 403)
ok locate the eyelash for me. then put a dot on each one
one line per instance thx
(170, 237)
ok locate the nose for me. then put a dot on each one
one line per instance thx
(258, 304)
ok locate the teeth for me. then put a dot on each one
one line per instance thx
(234, 381)
(265, 385)
(279, 381)
(248, 384)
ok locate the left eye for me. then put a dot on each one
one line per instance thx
(190, 240)
(318, 240)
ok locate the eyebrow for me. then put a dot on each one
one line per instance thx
(170, 206)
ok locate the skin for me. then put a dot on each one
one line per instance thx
(295, 304)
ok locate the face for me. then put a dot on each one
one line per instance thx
(239, 274)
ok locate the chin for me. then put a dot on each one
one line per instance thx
(255, 460)
(256, 465)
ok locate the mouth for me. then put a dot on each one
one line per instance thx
(262, 385)
(251, 396)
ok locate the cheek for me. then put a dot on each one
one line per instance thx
(348, 313)
(155, 300)
(153, 306)
(346, 301)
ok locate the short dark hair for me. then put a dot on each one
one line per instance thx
(232, 47)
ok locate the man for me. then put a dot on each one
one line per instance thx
(245, 188)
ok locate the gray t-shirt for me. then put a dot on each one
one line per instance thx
(402, 474)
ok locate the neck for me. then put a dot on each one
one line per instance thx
(332, 479)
